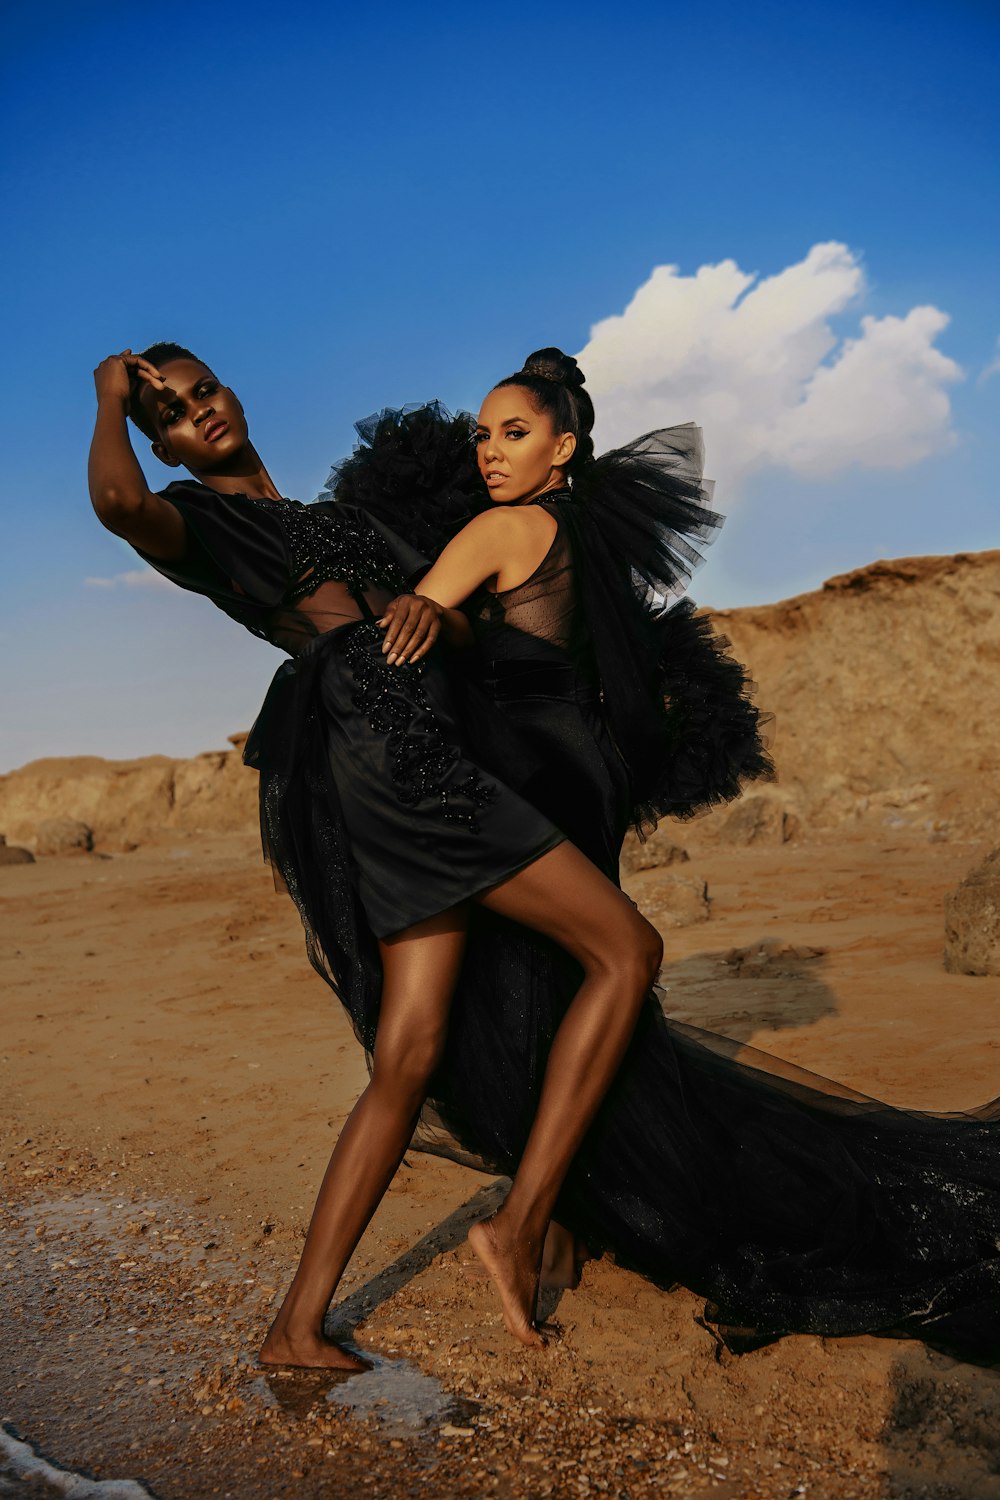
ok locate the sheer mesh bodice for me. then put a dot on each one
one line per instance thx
(537, 664)
(539, 622)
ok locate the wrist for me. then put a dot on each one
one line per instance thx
(110, 401)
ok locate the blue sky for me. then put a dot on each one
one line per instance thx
(342, 210)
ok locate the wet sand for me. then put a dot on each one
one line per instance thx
(174, 1077)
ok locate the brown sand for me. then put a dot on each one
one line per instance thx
(174, 1077)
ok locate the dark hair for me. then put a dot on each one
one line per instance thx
(157, 354)
(554, 381)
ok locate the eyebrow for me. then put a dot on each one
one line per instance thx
(177, 398)
(480, 427)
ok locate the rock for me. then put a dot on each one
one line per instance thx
(676, 901)
(887, 678)
(655, 853)
(127, 803)
(64, 836)
(10, 854)
(759, 819)
(972, 921)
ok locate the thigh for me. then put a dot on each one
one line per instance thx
(420, 969)
(564, 896)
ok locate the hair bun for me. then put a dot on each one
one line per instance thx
(553, 364)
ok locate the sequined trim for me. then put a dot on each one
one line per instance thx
(422, 759)
(328, 545)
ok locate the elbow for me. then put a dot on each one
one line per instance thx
(115, 508)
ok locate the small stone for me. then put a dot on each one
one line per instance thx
(64, 836)
(654, 853)
(676, 901)
(759, 819)
(972, 921)
(11, 854)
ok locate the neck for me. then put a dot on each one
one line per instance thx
(243, 474)
(555, 481)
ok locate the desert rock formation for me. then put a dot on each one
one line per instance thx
(885, 689)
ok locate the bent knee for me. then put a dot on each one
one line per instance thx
(652, 950)
(647, 954)
(404, 1072)
(635, 955)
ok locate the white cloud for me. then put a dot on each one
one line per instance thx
(135, 578)
(758, 365)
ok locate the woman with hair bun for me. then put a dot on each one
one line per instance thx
(420, 877)
(790, 1202)
(567, 580)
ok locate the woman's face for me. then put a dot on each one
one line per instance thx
(520, 456)
(199, 422)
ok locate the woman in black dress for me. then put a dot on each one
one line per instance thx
(390, 837)
(792, 1203)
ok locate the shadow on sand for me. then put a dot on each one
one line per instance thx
(767, 986)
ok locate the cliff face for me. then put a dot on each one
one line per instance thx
(127, 802)
(884, 686)
(885, 689)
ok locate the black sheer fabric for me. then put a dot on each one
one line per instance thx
(536, 659)
(787, 1200)
(677, 703)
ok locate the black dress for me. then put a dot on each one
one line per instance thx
(791, 1203)
(373, 813)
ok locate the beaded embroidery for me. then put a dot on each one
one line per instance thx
(327, 547)
(422, 759)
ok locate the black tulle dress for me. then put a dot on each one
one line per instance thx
(791, 1203)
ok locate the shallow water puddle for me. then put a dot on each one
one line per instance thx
(395, 1392)
(171, 1301)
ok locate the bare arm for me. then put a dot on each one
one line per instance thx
(118, 491)
(501, 544)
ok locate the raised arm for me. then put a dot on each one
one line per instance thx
(118, 490)
(505, 545)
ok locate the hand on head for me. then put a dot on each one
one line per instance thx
(117, 376)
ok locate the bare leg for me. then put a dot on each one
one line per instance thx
(564, 896)
(420, 969)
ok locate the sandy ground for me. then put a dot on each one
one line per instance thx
(174, 1077)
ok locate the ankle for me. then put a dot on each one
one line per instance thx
(526, 1228)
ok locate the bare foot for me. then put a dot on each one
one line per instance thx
(514, 1277)
(309, 1351)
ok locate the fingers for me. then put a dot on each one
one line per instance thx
(412, 630)
(401, 629)
(386, 619)
(421, 643)
(141, 369)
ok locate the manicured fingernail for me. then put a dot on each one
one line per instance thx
(392, 657)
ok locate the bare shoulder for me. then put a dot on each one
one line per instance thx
(513, 524)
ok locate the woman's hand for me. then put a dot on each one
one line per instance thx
(116, 376)
(412, 624)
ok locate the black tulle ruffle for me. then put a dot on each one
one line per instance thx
(677, 703)
(414, 469)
